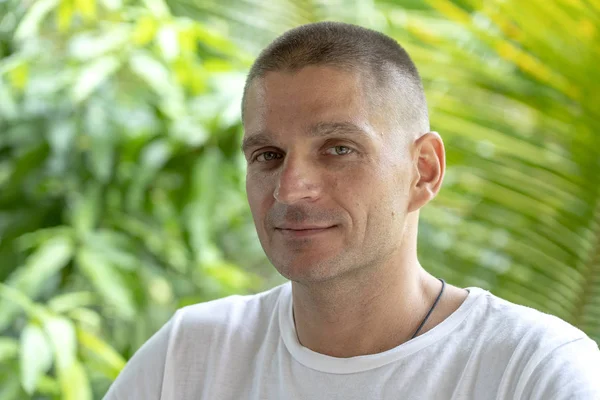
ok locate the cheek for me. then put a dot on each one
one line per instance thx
(402, 181)
(358, 191)
(386, 193)
(260, 194)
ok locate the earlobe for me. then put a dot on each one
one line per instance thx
(430, 165)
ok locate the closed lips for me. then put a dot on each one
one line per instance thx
(303, 228)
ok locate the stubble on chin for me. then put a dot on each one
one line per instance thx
(312, 270)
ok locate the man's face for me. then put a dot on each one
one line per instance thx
(328, 178)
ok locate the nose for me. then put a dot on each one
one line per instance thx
(298, 181)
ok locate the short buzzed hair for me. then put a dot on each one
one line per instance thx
(356, 49)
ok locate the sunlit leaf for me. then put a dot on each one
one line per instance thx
(87, 8)
(68, 301)
(83, 212)
(64, 15)
(231, 277)
(90, 46)
(35, 356)
(75, 384)
(144, 31)
(112, 360)
(9, 349)
(16, 298)
(19, 75)
(86, 317)
(48, 386)
(36, 238)
(10, 389)
(61, 334)
(30, 24)
(8, 105)
(158, 77)
(167, 41)
(46, 261)
(102, 141)
(157, 7)
(93, 75)
(107, 281)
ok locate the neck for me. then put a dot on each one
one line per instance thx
(366, 314)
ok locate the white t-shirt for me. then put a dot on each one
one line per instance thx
(246, 348)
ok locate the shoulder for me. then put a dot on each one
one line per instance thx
(506, 334)
(514, 323)
(539, 352)
(189, 339)
(239, 315)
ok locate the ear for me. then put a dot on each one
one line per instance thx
(429, 164)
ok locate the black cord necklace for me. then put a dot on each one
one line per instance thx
(430, 310)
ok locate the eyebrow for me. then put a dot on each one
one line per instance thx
(317, 130)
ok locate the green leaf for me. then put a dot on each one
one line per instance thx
(152, 72)
(157, 7)
(108, 281)
(92, 76)
(86, 317)
(110, 359)
(159, 78)
(48, 386)
(64, 16)
(168, 43)
(61, 136)
(84, 209)
(112, 5)
(75, 384)
(115, 247)
(103, 141)
(144, 31)
(69, 301)
(10, 389)
(29, 279)
(190, 131)
(35, 357)
(61, 334)
(215, 39)
(8, 105)
(9, 349)
(230, 277)
(30, 24)
(89, 46)
(38, 237)
(17, 298)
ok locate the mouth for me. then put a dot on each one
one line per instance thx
(303, 231)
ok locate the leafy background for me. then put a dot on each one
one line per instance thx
(122, 184)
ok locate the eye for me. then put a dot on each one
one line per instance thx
(339, 150)
(267, 156)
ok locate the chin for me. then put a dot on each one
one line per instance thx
(308, 269)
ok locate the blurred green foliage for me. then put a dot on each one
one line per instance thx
(122, 184)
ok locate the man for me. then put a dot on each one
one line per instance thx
(340, 161)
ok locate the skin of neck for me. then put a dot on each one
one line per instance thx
(370, 310)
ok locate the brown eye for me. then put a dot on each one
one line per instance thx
(339, 150)
(267, 156)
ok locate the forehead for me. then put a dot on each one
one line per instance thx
(303, 98)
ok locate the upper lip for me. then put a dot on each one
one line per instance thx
(300, 227)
